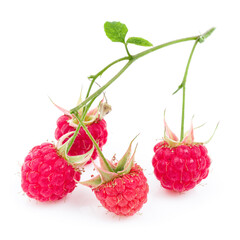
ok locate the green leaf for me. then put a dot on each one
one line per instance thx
(115, 31)
(139, 41)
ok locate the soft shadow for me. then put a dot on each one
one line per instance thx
(172, 193)
(82, 197)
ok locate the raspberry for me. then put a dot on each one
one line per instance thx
(46, 176)
(124, 195)
(121, 186)
(182, 167)
(83, 143)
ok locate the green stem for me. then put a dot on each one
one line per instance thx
(141, 54)
(81, 124)
(87, 108)
(184, 89)
(94, 77)
(183, 114)
(100, 90)
(130, 56)
(73, 138)
(131, 60)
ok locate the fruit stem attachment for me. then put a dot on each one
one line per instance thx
(81, 124)
(183, 86)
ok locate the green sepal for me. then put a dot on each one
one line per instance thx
(81, 159)
(139, 41)
(167, 131)
(212, 134)
(128, 166)
(121, 164)
(199, 126)
(62, 147)
(105, 175)
(93, 182)
(66, 112)
(77, 160)
(104, 165)
(171, 142)
(97, 113)
(189, 138)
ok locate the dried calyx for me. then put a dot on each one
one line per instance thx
(90, 117)
(110, 170)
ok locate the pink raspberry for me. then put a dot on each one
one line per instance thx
(182, 167)
(124, 195)
(121, 186)
(46, 176)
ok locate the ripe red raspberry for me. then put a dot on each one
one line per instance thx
(181, 167)
(124, 195)
(121, 186)
(46, 176)
(83, 143)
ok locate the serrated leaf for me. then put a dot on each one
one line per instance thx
(115, 31)
(139, 41)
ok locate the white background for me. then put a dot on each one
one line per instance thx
(49, 48)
